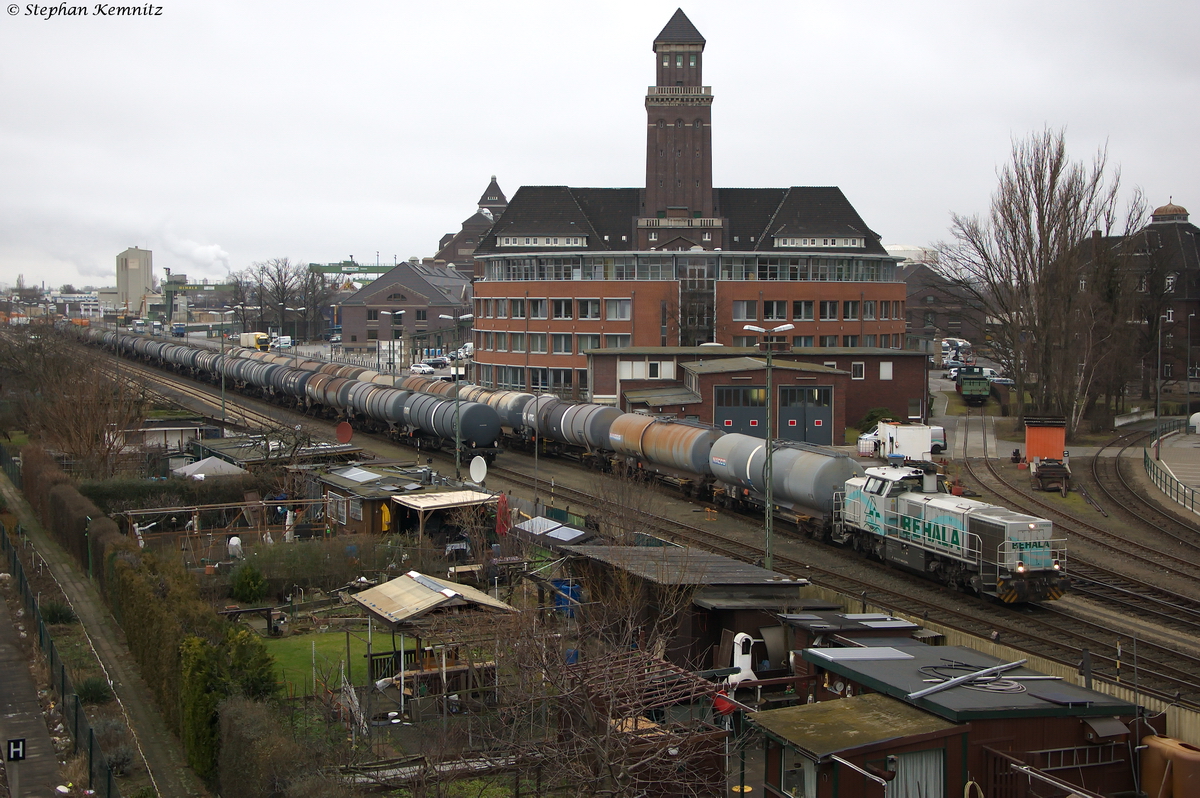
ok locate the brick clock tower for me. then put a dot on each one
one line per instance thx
(677, 210)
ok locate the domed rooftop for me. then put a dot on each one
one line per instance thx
(1170, 213)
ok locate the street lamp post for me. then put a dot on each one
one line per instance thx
(768, 476)
(1158, 383)
(224, 320)
(1188, 399)
(457, 387)
(281, 329)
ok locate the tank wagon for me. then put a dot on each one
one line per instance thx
(903, 515)
(330, 390)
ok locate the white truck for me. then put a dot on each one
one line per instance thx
(911, 441)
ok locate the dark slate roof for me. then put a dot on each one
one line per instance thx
(611, 211)
(438, 285)
(680, 30)
(749, 211)
(542, 210)
(493, 190)
(754, 216)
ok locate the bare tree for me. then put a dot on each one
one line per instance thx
(1028, 267)
(70, 401)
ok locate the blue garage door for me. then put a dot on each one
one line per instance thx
(741, 410)
(806, 414)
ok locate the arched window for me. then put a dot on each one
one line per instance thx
(679, 123)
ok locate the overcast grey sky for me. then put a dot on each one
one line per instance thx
(222, 133)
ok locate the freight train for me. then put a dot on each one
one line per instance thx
(899, 514)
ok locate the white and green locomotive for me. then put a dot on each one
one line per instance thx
(905, 515)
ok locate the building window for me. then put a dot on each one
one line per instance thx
(930, 319)
(849, 340)
(518, 308)
(616, 341)
(516, 342)
(829, 340)
(372, 335)
(1082, 284)
(1171, 278)
(502, 308)
(653, 236)
(1167, 371)
(537, 343)
(745, 340)
(562, 308)
(692, 60)
(829, 310)
(850, 310)
(616, 309)
(885, 370)
(537, 308)
(775, 310)
(652, 370)
(353, 338)
(561, 343)
(589, 308)
(802, 310)
(588, 341)
(869, 340)
(487, 340)
(745, 310)
(679, 62)
(1143, 284)
(858, 371)
(868, 307)
(422, 315)
(800, 341)
(1171, 314)
(706, 236)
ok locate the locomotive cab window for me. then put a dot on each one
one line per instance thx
(875, 485)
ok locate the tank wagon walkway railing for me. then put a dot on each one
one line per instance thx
(1160, 474)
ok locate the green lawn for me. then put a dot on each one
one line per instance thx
(294, 655)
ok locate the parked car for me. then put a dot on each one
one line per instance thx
(1003, 381)
(420, 368)
(438, 362)
(952, 366)
(335, 339)
(951, 374)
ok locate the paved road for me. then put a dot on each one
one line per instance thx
(161, 750)
(21, 714)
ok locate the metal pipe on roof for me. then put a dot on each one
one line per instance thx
(957, 680)
(857, 769)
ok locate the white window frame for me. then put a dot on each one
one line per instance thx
(858, 370)
(614, 307)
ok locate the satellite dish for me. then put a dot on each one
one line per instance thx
(344, 432)
(478, 469)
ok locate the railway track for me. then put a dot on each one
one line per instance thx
(1048, 634)
(1129, 499)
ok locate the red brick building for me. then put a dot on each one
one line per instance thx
(677, 262)
(726, 386)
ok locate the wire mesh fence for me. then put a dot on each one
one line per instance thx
(101, 775)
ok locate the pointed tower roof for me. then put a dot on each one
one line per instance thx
(492, 195)
(680, 30)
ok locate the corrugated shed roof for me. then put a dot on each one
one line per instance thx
(679, 565)
(413, 595)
